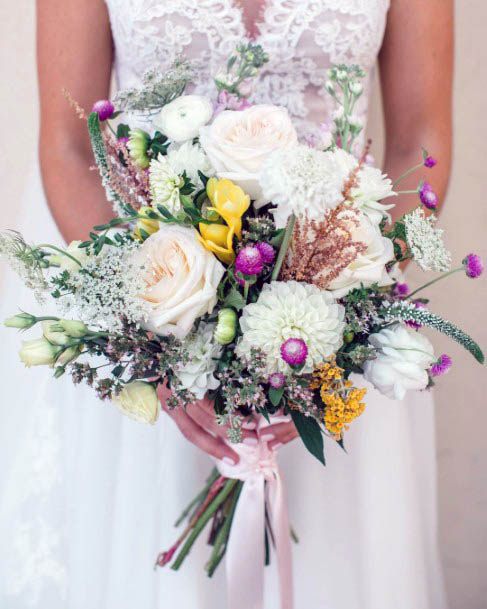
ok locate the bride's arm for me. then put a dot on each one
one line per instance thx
(416, 64)
(74, 51)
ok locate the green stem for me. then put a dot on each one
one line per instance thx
(198, 499)
(284, 246)
(433, 281)
(406, 174)
(407, 192)
(246, 290)
(60, 251)
(202, 522)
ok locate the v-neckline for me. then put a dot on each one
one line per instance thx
(253, 30)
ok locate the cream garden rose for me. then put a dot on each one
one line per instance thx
(239, 142)
(181, 279)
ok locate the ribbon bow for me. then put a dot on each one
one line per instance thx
(245, 551)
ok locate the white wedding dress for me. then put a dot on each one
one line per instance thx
(88, 497)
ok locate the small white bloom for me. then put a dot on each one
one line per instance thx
(292, 310)
(373, 186)
(181, 119)
(370, 266)
(38, 352)
(165, 183)
(138, 400)
(190, 158)
(355, 122)
(197, 374)
(305, 182)
(356, 87)
(426, 241)
(403, 358)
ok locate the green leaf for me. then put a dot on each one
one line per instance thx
(123, 130)
(310, 433)
(407, 312)
(277, 238)
(275, 395)
(234, 299)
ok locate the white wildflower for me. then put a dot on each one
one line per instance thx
(106, 290)
(426, 241)
(304, 181)
(292, 310)
(25, 260)
(165, 183)
(190, 158)
(197, 374)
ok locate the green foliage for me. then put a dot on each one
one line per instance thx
(310, 432)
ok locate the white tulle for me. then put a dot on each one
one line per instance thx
(88, 497)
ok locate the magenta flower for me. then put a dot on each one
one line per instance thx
(104, 108)
(266, 251)
(294, 351)
(474, 267)
(428, 196)
(415, 325)
(249, 261)
(430, 162)
(277, 380)
(401, 289)
(441, 366)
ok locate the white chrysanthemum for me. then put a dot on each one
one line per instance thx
(165, 183)
(197, 374)
(426, 241)
(369, 267)
(292, 310)
(372, 188)
(403, 357)
(304, 181)
(190, 158)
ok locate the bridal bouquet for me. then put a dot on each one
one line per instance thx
(247, 266)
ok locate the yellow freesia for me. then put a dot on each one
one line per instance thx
(230, 201)
(218, 238)
(146, 224)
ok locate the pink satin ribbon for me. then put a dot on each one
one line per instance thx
(245, 552)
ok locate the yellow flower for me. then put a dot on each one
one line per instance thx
(230, 201)
(145, 224)
(218, 238)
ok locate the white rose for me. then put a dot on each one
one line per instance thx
(403, 358)
(181, 278)
(38, 352)
(238, 144)
(138, 400)
(370, 266)
(181, 119)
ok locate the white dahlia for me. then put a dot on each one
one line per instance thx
(372, 187)
(165, 183)
(190, 158)
(304, 181)
(292, 310)
(197, 374)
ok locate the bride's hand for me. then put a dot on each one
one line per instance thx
(278, 434)
(198, 425)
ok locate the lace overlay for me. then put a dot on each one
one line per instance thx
(303, 38)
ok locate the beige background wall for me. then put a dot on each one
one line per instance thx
(461, 397)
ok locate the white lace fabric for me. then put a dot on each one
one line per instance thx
(302, 37)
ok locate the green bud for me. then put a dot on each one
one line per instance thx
(138, 145)
(22, 321)
(59, 371)
(74, 328)
(38, 352)
(348, 337)
(226, 328)
(68, 355)
(54, 333)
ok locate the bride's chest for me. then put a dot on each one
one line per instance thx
(150, 31)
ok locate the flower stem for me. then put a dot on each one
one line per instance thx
(202, 522)
(199, 498)
(433, 281)
(284, 247)
(407, 192)
(407, 173)
(60, 251)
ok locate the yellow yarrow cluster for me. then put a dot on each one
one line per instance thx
(343, 402)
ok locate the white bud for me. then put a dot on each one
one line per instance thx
(138, 400)
(356, 88)
(68, 355)
(22, 321)
(38, 352)
(54, 333)
(66, 263)
(74, 328)
(330, 87)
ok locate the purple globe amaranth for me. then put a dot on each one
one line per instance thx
(441, 366)
(267, 252)
(249, 261)
(277, 380)
(401, 289)
(474, 267)
(294, 351)
(428, 196)
(430, 162)
(104, 108)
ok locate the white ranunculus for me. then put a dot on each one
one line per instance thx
(139, 401)
(373, 187)
(181, 279)
(238, 143)
(403, 358)
(38, 352)
(181, 119)
(196, 375)
(370, 266)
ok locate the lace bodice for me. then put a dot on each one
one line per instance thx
(302, 37)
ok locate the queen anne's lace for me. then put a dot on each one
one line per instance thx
(302, 37)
